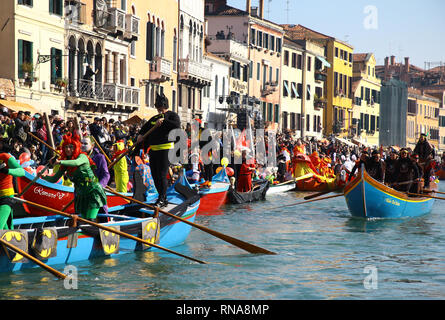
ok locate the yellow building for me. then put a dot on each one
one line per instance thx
(338, 115)
(153, 56)
(32, 39)
(366, 107)
(422, 117)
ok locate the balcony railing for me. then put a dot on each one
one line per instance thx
(194, 71)
(131, 26)
(107, 92)
(160, 69)
(112, 20)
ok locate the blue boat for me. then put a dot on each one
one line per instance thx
(54, 241)
(368, 198)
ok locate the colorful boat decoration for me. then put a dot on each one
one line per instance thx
(53, 195)
(54, 241)
(368, 198)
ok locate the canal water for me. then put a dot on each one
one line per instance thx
(322, 253)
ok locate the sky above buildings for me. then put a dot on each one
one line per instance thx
(409, 28)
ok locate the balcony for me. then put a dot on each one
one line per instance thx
(160, 70)
(75, 12)
(105, 92)
(269, 88)
(112, 20)
(320, 76)
(194, 72)
(131, 27)
(320, 103)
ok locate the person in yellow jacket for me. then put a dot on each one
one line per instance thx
(121, 176)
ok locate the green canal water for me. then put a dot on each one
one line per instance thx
(322, 253)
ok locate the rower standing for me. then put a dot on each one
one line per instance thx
(159, 144)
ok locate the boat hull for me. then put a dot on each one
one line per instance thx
(212, 200)
(54, 196)
(367, 198)
(172, 233)
(258, 194)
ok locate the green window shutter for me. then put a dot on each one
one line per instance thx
(53, 66)
(51, 6)
(59, 64)
(20, 58)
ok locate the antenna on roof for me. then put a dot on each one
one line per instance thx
(287, 11)
(268, 9)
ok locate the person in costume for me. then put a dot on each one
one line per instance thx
(406, 172)
(121, 176)
(160, 145)
(101, 168)
(89, 196)
(245, 176)
(9, 168)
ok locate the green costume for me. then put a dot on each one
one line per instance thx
(12, 169)
(89, 196)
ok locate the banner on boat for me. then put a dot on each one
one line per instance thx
(110, 241)
(18, 239)
(44, 244)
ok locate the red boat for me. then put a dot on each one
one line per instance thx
(53, 195)
(213, 198)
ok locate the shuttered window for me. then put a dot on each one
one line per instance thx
(56, 65)
(56, 7)
(24, 56)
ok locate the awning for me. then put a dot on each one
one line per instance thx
(286, 87)
(324, 61)
(294, 89)
(366, 144)
(349, 143)
(138, 116)
(18, 106)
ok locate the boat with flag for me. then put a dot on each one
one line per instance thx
(368, 198)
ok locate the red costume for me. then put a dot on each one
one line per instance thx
(245, 178)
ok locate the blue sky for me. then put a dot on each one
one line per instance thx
(410, 28)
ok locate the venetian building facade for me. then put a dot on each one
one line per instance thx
(32, 40)
(366, 107)
(98, 37)
(193, 75)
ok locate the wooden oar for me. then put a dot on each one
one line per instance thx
(40, 140)
(111, 165)
(236, 242)
(429, 191)
(33, 259)
(424, 196)
(101, 150)
(97, 225)
(319, 194)
(303, 202)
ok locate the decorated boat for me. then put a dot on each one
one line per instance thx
(54, 240)
(281, 187)
(258, 192)
(368, 198)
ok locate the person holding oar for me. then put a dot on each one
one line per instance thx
(160, 145)
(89, 196)
(9, 167)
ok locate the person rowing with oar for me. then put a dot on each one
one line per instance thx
(406, 172)
(89, 196)
(9, 167)
(160, 145)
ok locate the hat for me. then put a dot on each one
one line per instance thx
(161, 101)
(96, 119)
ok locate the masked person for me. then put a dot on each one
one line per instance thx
(9, 168)
(390, 168)
(89, 196)
(121, 176)
(160, 145)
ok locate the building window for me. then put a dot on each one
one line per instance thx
(272, 43)
(56, 7)
(269, 112)
(260, 39)
(286, 58)
(266, 41)
(133, 48)
(56, 65)
(25, 2)
(270, 74)
(277, 113)
(278, 45)
(294, 60)
(336, 52)
(250, 70)
(258, 71)
(25, 60)
(308, 92)
(278, 75)
(174, 100)
(175, 52)
(299, 62)
(309, 63)
(308, 122)
(285, 88)
(252, 36)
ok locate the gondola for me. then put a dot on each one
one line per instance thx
(368, 198)
(258, 192)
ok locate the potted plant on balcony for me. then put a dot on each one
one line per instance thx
(27, 70)
(61, 84)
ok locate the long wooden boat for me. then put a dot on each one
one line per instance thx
(368, 198)
(258, 192)
(53, 195)
(54, 241)
(215, 196)
(281, 188)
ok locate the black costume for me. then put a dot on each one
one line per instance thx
(390, 170)
(376, 169)
(159, 146)
(406, 171)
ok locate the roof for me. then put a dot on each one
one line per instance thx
(361, 57)
(226, 10)
(299, 32)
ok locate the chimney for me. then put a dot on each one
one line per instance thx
(407, 64)
(261, 9)
(248, 6)
(393, 60)
(386, 77)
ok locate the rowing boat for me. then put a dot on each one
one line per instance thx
(368, 198)
(53, 239)
(258, 192)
